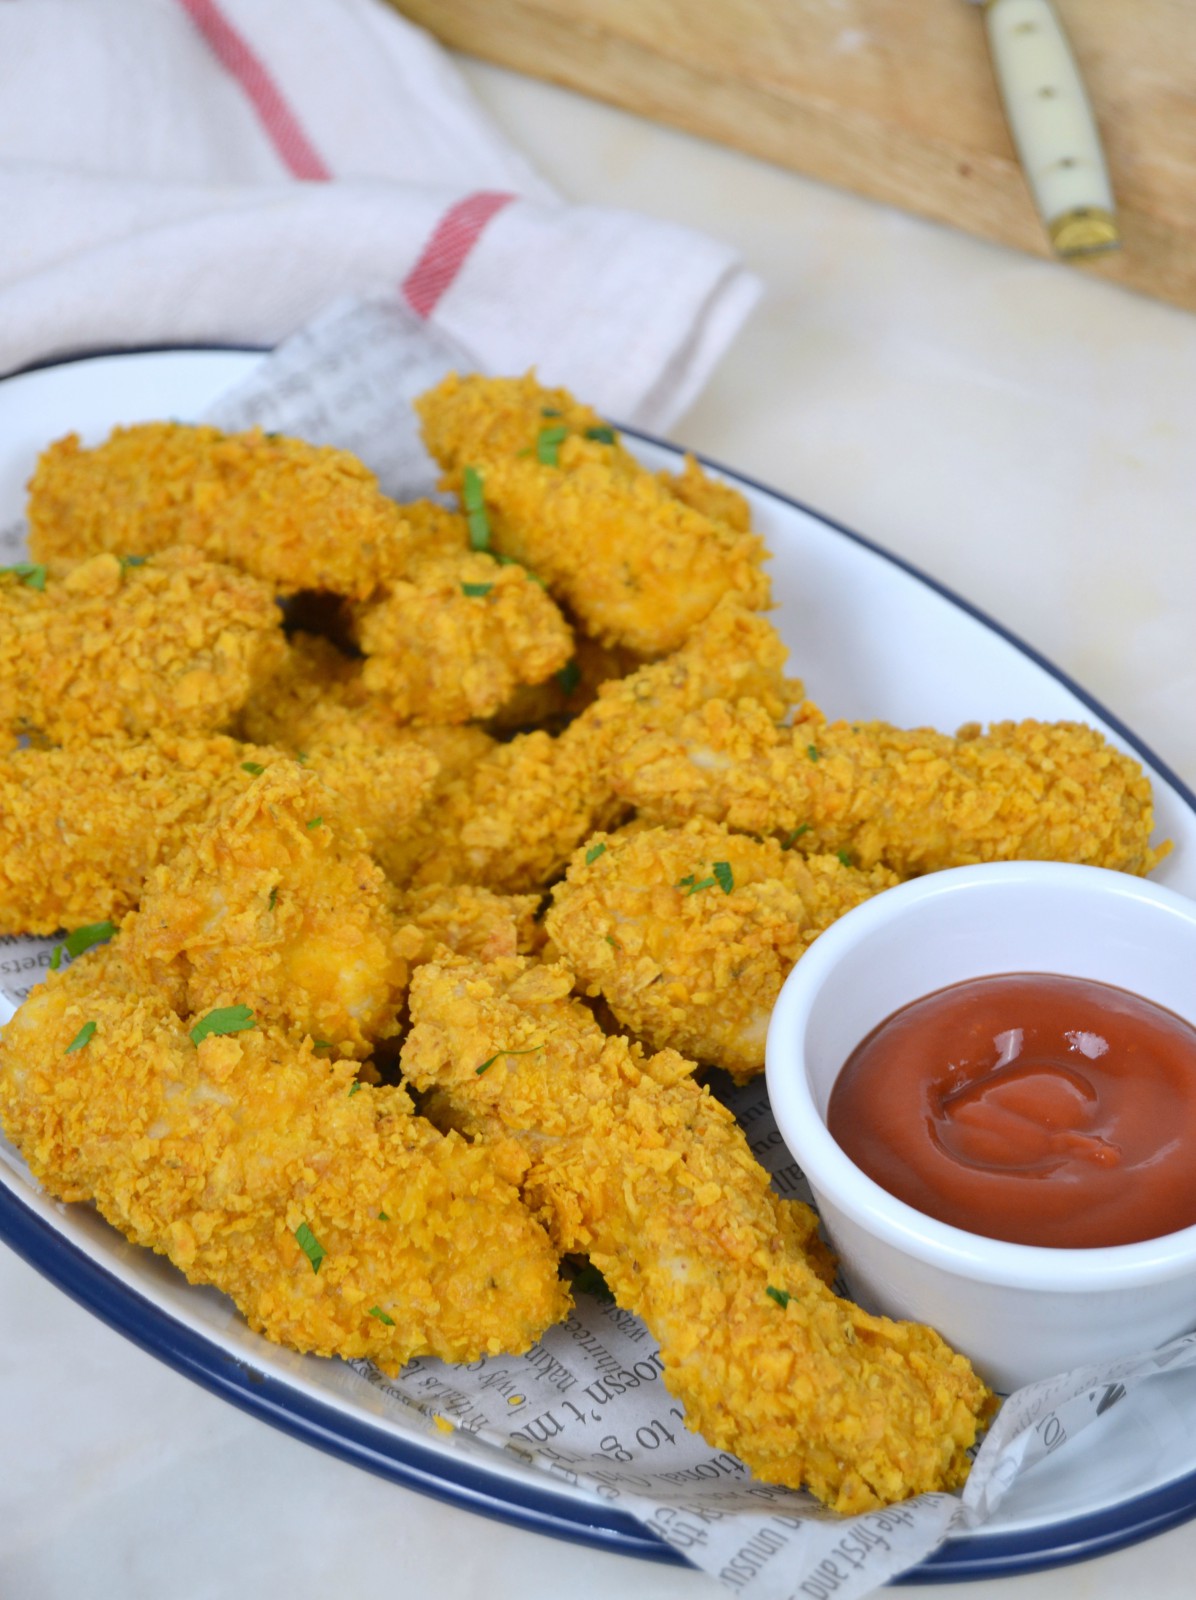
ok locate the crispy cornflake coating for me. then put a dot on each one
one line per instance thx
(636, 564)
(175, 644)
(560, 698)
(81, 828)
(299, 516)
(472, 922)
(275, 904)
(635, 1165)
(513, 819)
(688, 933)
(711, 496)
(912, 799)
(338, 1221)
(455, 638)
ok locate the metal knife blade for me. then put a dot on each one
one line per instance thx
(1053, 128)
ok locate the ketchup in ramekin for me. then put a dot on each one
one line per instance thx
(1029, 1107)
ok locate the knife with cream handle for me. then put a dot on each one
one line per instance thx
(1052, 124)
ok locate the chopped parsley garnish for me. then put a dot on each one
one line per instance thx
(475, 509)
(81, 1038)
(548, 445)
(82, 939)
(791, 839)
(593, 853)
(316, 822)
(569, 677)
(377, 1311)
(694, 885)
(781, 1296)
(310, 1245)
(323, 1044)
(602, 435)
(353, 1088)
(510, 561)
(475, 591)
(726, 878)
(813, 752)
(588, 1280)
(273, 897)
(31, 573)
(254, 767)
(382, 1217)
(611, 941)
(845, 857)
(530, 1050)
(133, 561)
(225, 1019)
(550, 411)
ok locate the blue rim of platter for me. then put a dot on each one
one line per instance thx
(407, 1461)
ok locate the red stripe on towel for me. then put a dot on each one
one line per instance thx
(448, 249)
(236, 56)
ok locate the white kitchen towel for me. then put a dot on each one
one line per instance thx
(218, 171)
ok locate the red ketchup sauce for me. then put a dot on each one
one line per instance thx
(1039, 1109)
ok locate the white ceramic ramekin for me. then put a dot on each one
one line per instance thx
(1020, 1312)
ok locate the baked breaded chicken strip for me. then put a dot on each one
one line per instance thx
(275, 904)
(636, 1166)
(912, 799)
(299, 516)
(551, 487)
(688, 933)
(453, 639)
(339, 1222)
(174, 644)
(513, 819)
(82, 827)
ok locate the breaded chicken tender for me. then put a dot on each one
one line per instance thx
(275, 904)
(339, 1222)
(635, 563)
(513, 819)
(299, 516)
(915, 800)
(82, 827)
(688, 933)
(472, 922)
(711, 496)
(555, 702)
(174, 644)
(636, 1166)
(453, 639)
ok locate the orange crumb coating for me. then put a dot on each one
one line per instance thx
(82, 827)
(635, 563)
(175, 644)
(299, 516)
(686, 958)
(635, 1165)
(218, 1156)
(912, 799)
(713, 497)
(275, 903)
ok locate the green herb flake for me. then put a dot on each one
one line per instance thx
(813, 752)
(273, 897)
(225, 1019)
(845, 857)
(323, 1044)
(569, 677)
(781, 1296)
(382, 1217)
(473, 496)
(548, 445)
(31, 573)
(133, 561)
(601, 435)
(81, 1038)
(353, 1088)
(254, 767)
(702, 883)
(377, 1311)
(610, 941)
(476, 591)
(593, 853)
(82, 939)
(550, 411)
(588, 1280)
(310, 1245)
(316, 822)
(530, 1050)
(681, 882)
(724, 875)
(791, 839)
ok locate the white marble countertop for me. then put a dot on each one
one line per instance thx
(1018, 431)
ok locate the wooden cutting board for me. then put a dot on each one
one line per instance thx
(894, 99)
